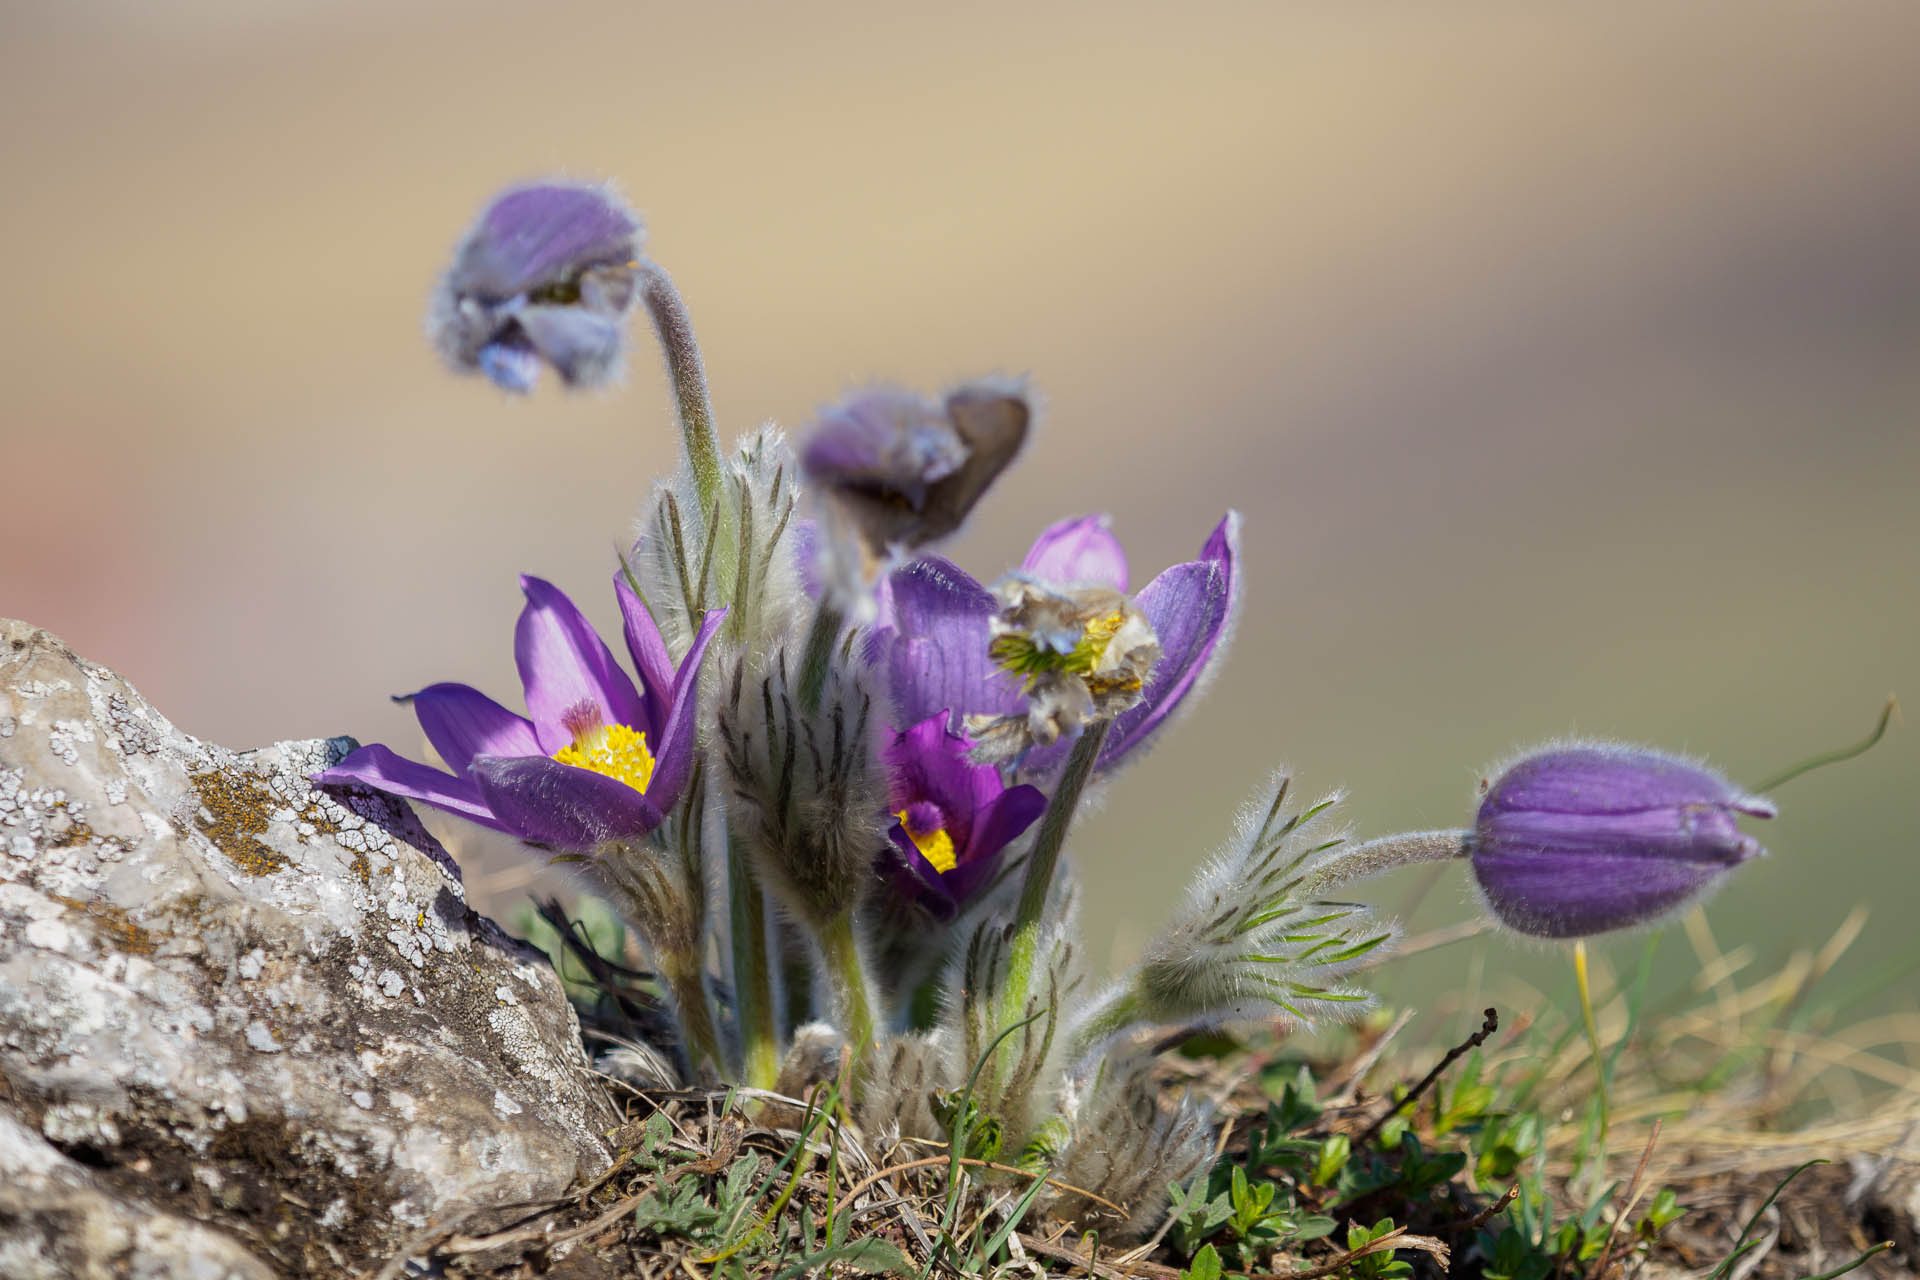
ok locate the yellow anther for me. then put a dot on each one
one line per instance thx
(618, 751)
(936, 846)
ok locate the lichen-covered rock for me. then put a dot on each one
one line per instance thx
(247, 1027)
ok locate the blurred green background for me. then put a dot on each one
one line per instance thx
(1561, 358)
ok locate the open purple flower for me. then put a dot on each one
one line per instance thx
(952, 818)
(596, 759)
(935, 628)
(548, 273)
(1578, 840)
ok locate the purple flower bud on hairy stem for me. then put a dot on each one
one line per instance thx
(906, 469)
(1578, 840)
(549, 274)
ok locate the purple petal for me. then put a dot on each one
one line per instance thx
(557, 805)
(1192, 607)
(935, 654)
(510, 364)
(928, 763)
(917, 879)
(673, 753)
(378, 767)
(582, 346)
(1610, 779)
(563, 664)
(1573, 896)
(806, 555)
(883, 443)
(1001, 823)
(650, 657)
(545, 232)
(1672, 833)
(461, 723)
(1082, 551)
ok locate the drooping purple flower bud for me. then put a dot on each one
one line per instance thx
(906, 470)
(1578, 840)
(548, 273)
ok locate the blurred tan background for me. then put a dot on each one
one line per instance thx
(1565, 361)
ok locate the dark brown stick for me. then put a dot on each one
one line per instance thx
(1474, 1041)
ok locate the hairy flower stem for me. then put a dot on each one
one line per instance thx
(818, 658)
(851, 988)
(1388, 852)
(687, 984)
(752, 975)
(675, 328)
(1041, 863)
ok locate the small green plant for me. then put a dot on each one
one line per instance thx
(1374, 1266)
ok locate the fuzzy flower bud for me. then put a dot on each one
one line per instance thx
(809, 790)
(1084, 654)
(908, 469)
(1578, 840)
(548, 273)
(1252, 939)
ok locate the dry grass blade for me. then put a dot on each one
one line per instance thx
(1634, 1189)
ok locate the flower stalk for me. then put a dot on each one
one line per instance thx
(754, 1003)
(1363, 861)
(686, 982)
(689, 376)
(1030, 916)
(852, 989)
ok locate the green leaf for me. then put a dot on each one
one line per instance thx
(1332, 1158)
(1206, 1266)
(866, 1257)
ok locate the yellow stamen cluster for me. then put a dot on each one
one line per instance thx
(618, 751)
(936, 846)
(1019, 654)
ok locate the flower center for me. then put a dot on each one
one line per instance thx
(1030, 654)
(934, 844)
(617, 750)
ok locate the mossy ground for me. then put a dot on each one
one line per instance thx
(1346, 1155)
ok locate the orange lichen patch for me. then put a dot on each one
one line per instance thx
(235, 809)
(114, 923)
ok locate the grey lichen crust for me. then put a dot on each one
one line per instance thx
(247, 1027)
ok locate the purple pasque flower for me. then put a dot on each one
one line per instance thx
(934, 632)
(1577, 840)
(904, 469)
(952, 818)
(548, 273)
(596, 759)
